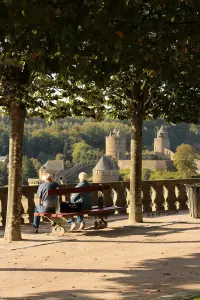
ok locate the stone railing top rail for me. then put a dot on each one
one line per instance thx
(117, 184)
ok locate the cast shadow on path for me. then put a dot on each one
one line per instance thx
(152, 279)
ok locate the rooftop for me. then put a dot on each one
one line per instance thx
(106, 163)
(162, 130)
(54, 165)
(3, 158)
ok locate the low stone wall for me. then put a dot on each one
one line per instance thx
(153, 165)
(157, 195)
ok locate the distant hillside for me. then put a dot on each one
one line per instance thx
(44, 141)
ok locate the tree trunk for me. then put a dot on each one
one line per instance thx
(135, 205)
(13, 217)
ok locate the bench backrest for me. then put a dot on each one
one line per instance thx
(85, 189)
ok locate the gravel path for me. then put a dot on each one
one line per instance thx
(159, 259)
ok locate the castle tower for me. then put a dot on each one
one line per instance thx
(162, 141)
(106, 170)
(116, 145)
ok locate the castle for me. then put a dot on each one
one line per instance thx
(114, 160)
(107, 169)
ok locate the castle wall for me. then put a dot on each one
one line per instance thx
(169, 153)
(153, 165)
(105, 176)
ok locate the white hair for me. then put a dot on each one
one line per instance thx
(82, 176)
(46, 176)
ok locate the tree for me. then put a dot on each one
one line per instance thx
(68, 148)
(155, 73)
(28, 170)
(184, 160)
(36, 163)
(68, 164)
(38, 40)
(42, 157)
(82, 153)
(59, 156)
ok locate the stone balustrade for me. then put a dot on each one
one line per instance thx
(157, 195)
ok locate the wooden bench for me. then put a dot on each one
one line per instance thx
(59, 219)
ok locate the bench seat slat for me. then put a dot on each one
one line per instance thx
(96, 211)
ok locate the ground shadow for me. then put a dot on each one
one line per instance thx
(146, 231)
(162, 278)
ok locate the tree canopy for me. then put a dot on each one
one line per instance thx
(153, 70)
(184, 160)
(131, 58)
(38, 40)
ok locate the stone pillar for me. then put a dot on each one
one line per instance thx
(182, 196)
(3, 200)
(170, 196)
(146, 197)
(158, 200)
(119, 194)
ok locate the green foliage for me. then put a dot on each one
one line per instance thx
(125, 174)
(39, 39)
(59, 156)
(83, 153)
(36, 163)
(150, 69)
(184, 160)
(146, 173)
(157, 175)
(42, 156)
(68, 164)
(43, 141)
(28, 170)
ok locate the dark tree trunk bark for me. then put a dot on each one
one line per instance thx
(13, 218)
(135, 205)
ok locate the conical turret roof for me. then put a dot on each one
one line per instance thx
(162, 129)
(106, 163)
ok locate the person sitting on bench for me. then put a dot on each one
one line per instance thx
(83, 201)
(46, 203)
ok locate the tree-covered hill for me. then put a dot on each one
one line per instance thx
(44, 141)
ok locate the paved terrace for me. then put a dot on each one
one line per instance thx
(159, 259)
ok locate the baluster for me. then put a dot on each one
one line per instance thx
(170, 196)
(127, 198)
(165, 195)
(153, 197)
(119, 194)
(3, 198)
(1, 218)
(159, 197)
(24, 210)
(178, 206)
(182, 196)
(108, 198)
(146, 197)
(29, 201)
